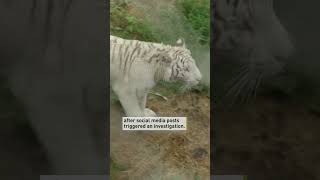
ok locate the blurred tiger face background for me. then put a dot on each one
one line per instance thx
(250, 47)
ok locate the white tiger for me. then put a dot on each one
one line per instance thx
(136, 67)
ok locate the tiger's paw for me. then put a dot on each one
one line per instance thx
(149, 113)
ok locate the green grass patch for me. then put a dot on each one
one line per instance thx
(172, 88)
(197, 13)
(202, 88)
(125, 25)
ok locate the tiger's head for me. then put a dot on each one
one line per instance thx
(181, 65)
(250, 42)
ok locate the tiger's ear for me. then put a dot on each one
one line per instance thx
(180, 43)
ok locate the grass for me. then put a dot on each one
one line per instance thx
(125, 25)
(197, 13)
(170, 88)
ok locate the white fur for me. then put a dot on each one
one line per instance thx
(131, 85)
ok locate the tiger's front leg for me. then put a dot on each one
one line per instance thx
(130, 102)
(142, 95)
(149, 113)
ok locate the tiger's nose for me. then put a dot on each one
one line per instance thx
(199, 78)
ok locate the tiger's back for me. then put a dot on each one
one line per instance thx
(128, 62)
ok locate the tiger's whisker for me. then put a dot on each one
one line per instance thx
(235, 82)
(238, 85)
(257, 85)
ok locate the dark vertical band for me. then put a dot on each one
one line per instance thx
(107, 55)
(212, 121)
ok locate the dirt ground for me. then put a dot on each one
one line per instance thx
(165, 155)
